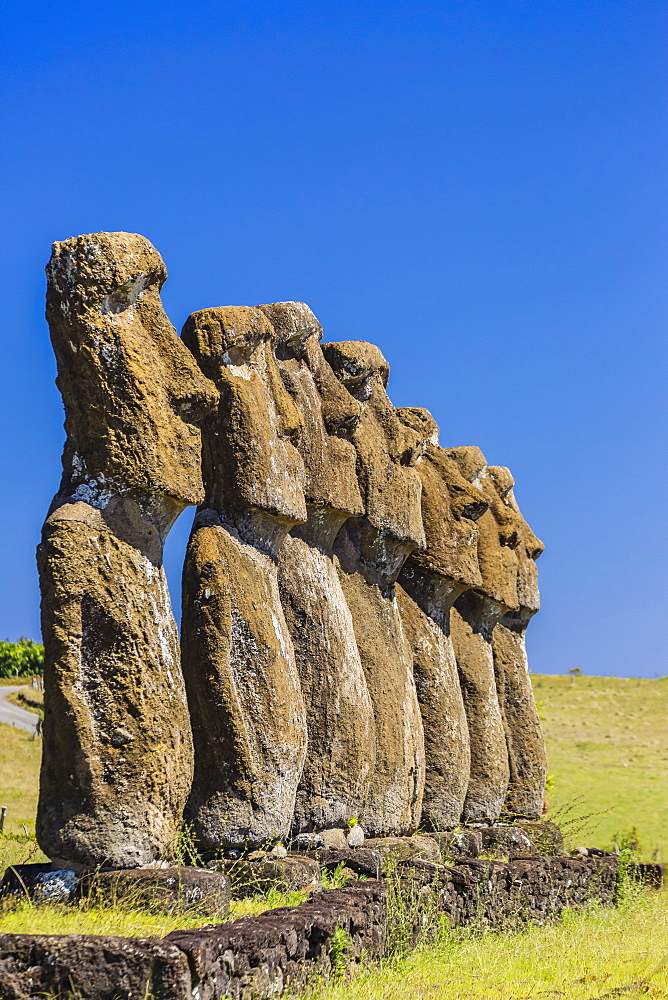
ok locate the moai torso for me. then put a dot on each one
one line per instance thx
(526, 747)
(472, 619)
(429, 583)
(247, 710)
(370, 552)
(117, 759)
(341, 736)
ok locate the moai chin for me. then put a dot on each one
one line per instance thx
(527, 758)
(370, 552)
(429, 583)
(246, 705)
(341, 736)
(473, 618)
(117, 757)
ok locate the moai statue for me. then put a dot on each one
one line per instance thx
(429, 583)
(341, 736)
(370, 552)
(526, 748)
(246, 705)
(472, 621)
(117, 759)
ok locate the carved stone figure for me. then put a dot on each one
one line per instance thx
(472, 620)
(247, 710)
(370, 552)
(117, 758)
(526, 748)
(429, 583)
(341, 737)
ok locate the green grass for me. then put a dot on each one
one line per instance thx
(603, 953)
(123, 919)
(20, 755)
(607, 743)
(116, 921)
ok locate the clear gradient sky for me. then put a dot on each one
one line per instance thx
(477, 186)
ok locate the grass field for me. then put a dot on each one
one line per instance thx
(591, 956)
(607, 744)
(20, 755)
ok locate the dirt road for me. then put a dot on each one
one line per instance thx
(12, 715)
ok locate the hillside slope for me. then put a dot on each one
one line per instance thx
(607, 744)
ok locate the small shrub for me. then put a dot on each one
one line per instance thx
(413, 911)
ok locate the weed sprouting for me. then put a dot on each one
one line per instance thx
(340, 947)
(184, 850)
(335, 879)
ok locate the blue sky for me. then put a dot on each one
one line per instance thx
(477, 186)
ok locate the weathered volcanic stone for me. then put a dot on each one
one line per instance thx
(510, 840)
(93, 967)
(363, 862)
(341, 736)
(117, 760)
(370, 553)
(290, 874)
(429, 583)
(526, 747)
(248, 714)
(415, 848)
(472, 621)
(180, 889)
(458, 843)
(546, 836)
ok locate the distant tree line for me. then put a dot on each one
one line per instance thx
(21, 659)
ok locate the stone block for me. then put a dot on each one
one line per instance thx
(458, 843)
(186, 890)
(510, 840)
(364, 862)
(290, 874)
(403, 848)
(90, 966)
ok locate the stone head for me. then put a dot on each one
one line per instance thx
(329, 413)
(250, 457)
(387, 449)
(134, 396)
(451, 506)
(498, 526)
(529, 547)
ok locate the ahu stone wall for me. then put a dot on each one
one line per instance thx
(355, 593)
(263, 956)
